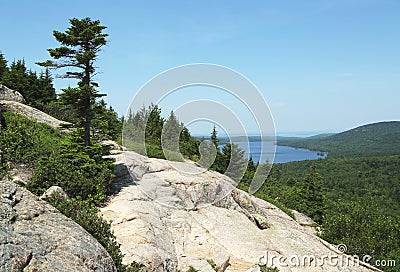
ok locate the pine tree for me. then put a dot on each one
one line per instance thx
(16, 77)
(154, 125)
(48, 92)
(214, 137)
(220, 163)
(80, 45)
(37, 90)
(171, 133)
(3, 66)
(105, 123)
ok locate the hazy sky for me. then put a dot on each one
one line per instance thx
(320, 65)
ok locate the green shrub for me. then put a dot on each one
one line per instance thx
(81, 173)
(24, 140)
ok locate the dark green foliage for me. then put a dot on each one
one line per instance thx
(58, 109)
(370, 140)
(17, 77)
(79, 170)
(3, 65)
(37, 90)
(312, 195)
(363, 228)
(80, 45)
(345, 178)
(153, 125)
(87, 215)
(188, 145)
(105, 122)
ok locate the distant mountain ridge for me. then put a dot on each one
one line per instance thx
(375, 139)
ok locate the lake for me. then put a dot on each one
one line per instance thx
(283, 153)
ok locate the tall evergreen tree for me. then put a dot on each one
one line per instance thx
(219, 164)
(171, 133)
(47, 90)
(80, 46)
(214, 137)
(3, 65)
(154, 124)
(16, 77)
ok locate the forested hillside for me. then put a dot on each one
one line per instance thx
(369, 140)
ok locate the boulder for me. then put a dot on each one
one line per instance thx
(112, 145)
(34, 236)
(10, 95)
(54, 190)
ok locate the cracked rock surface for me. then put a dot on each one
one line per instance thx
(34, 236)
(173, 215)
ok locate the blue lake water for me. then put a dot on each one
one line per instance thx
(282, 154)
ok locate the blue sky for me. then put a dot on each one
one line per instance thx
(320, 65)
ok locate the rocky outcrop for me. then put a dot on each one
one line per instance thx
(10, 95)
(13, 101)
(34, 236)
(33, 114)
(173, 215)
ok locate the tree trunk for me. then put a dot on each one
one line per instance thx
(87, 129)
(86, 81)
(87, 121)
